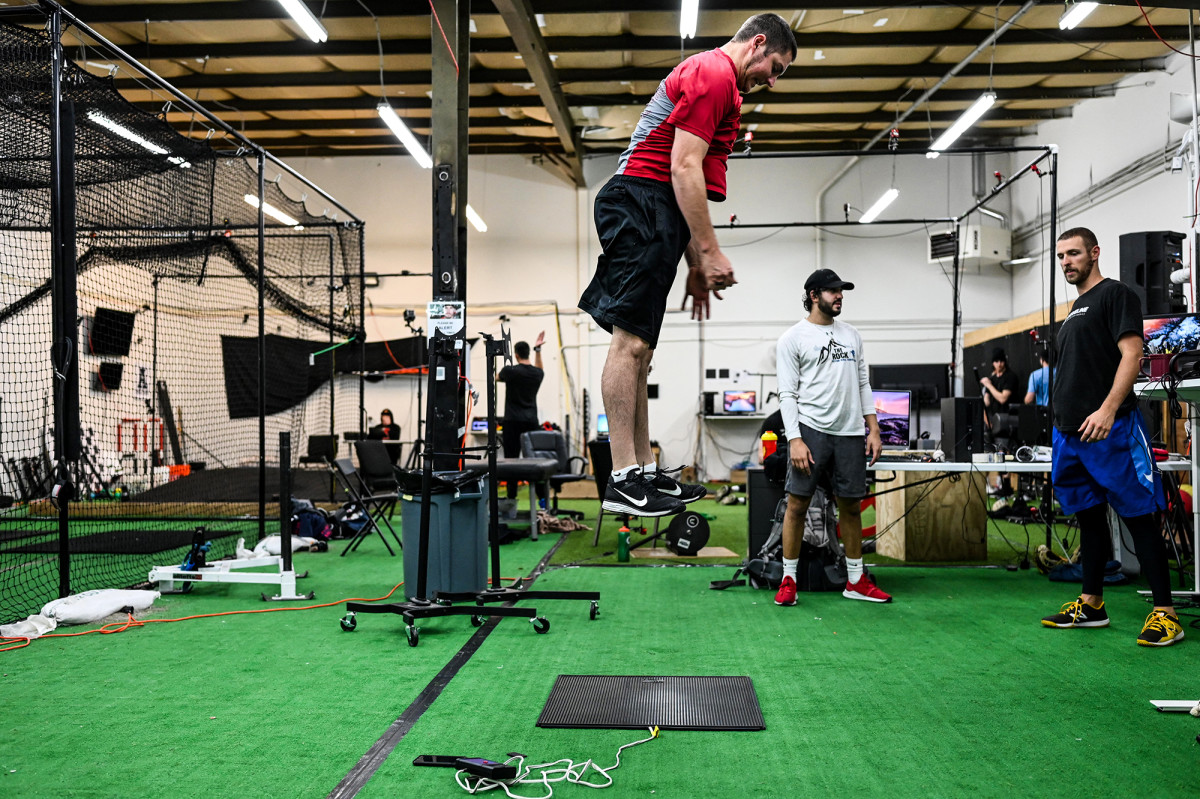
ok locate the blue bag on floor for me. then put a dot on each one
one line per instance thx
(1073, 573)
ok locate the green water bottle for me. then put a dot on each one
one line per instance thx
(623, 545)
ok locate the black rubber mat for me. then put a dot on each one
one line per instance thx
(125, 542)
(672, 703)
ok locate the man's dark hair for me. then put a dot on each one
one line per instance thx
(1089, 238)
(521, 348)
(808, 299)
(780, 38)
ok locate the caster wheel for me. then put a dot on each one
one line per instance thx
(414, 637)
(541, 625)
(594, 611)
(349, 622)
(443, 602)
(477, 621)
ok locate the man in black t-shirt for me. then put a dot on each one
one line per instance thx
(1101, 451)
(1000, 388)
(523, 380)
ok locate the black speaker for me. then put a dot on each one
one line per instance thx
(962, 428)
(1147, 261)
(710, 403)
(1032, 425)
(762, 496)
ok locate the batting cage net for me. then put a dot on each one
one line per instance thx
(188, 360)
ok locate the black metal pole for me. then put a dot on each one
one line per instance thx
(1048, 489)
(956, 322)
(493, 483)
(262, 352)
(285, 499)
(429, 452)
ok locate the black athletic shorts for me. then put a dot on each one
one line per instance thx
(841, 460)
(643, 235)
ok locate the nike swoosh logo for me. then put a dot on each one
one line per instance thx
(1149, 476)
(637, 502)
(674, 492)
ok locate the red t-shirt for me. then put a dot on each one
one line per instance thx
(699, 96)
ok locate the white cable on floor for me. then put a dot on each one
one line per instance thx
(549, 773)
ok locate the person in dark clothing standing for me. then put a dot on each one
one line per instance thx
(1000, 388)
(1102, 454)
(523, 379)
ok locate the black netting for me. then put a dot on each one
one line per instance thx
(167, 274)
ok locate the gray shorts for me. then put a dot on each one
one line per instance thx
(841, 462)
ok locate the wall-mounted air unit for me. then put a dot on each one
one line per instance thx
(978, 246)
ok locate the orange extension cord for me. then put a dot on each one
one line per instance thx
(122, 626)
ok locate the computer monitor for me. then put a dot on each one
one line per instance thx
(1170, 333)
(479, 424)
(602, 426)
(893, 410)
(740, 401)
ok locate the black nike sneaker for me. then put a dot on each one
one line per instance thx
(637, 497)
(684, 492)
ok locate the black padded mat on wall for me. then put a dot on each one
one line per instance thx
(671, 703)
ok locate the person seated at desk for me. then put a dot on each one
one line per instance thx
(387, 430)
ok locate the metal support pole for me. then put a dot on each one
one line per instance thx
(262, 350)
(285, 499)
(1048, 490)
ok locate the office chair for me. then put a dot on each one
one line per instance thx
(552, 444)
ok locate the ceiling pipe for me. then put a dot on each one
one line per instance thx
(920, 101)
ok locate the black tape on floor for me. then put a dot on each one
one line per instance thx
(125, 542)
(672, 703)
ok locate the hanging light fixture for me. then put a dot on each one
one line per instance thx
(311, 26)
(1074, 14)
(406, 137)
(882, 203)
(689, 13)
(136, 138)
(960, 126)
(271, 211)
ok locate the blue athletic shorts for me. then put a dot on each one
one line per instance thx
(1119, 470)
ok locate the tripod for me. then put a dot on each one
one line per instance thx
(441, 354)
(499, 349)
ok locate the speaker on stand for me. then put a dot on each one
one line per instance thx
(1147, 261)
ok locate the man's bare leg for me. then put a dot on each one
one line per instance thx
(623, 380)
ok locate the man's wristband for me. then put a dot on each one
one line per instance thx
(537, 349)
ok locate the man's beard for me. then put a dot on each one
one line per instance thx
(827, 308)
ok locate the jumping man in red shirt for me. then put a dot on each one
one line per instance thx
(649, 215)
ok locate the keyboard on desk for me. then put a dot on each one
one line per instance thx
(902, 456)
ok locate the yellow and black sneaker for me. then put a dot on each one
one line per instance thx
(1160, 629)
(1078, 614)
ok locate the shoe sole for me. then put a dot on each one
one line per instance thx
(863, 597)
(633, 510)
(1164, 642)
(1048, 623)
(791, 604)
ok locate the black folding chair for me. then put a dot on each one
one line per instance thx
(553, 444)
(374, 504)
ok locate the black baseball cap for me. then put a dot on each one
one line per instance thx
(825, 279)
(999, 355)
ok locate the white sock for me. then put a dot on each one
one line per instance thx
(854, 570)
(650, 469)
(620, 474)
(789, 567)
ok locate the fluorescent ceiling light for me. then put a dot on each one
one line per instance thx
(476, 220)
(311, 26)
(879, 23)
(1016, 261)
(969, 118)
(883, 202)
(540, 19)
(272, 211)
(689, 12)
(818, 55)
(136, 138)
(406, 137)
(1075, 13)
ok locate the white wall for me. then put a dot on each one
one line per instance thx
(1102, 136)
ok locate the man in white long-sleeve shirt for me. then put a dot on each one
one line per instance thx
(824, 395)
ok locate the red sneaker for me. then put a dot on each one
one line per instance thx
(787, 592)
(866, 590)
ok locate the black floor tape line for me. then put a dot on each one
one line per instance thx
(370, 762)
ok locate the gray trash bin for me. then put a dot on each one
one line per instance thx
(458, 532)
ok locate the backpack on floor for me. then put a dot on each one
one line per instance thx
(822, 563)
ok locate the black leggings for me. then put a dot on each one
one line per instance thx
(1095, 549)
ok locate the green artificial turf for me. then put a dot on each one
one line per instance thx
(952, 690)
